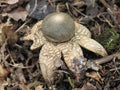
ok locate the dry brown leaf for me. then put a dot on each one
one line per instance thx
(39, 88)
(2, 33)
(9, 33)
(3, 71)
(24, 87)
(94, 75)
(3, 84)
(86, 86)
(9, 1)
(19, 13)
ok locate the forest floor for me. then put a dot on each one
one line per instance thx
(19, 65)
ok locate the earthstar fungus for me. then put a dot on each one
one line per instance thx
(57, 34)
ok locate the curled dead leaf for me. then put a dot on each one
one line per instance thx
(39, 88)
(95, 75)
(21, 15)
(3, 71)
(89, 86)
(39, 9)
(11, 36)
(18, 14)
(9, 1)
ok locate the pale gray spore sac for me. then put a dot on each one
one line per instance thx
(58, 27)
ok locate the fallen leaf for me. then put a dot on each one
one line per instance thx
(86, 86)
(9, 33)
(39, 88)
(92, 7)
(9, 1)
(24, 87)
(39, 9)
(94, 75)
(3, 83)
(18, 14)
(3, 71)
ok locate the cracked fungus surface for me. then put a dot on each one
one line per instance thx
(71, 49)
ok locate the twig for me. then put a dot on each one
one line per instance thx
(11, 57)
(51, 3)
(107, 58)
(2, 50)
(29, 19)
(110, 11)
(116, 68)
(68, 8)
(104, 19)
(106, 5)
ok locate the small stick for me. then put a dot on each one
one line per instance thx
(106, 58)
(110, 11)
(106, 4)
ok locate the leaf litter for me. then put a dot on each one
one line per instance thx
(19, 66)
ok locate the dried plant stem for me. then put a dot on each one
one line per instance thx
(110, 11)
(107, 58)
(28, 19)
(105, 4)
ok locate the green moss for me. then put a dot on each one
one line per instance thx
(109, 39)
